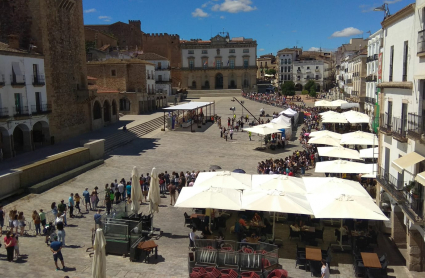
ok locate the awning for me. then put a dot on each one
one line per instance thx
(420, 178)
(16, 68)
(406, 161)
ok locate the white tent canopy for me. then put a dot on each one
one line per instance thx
(369, 153)
(359, 138)
(342, 166)
(338, 102)
(209, 197)
(325, 133)
(263, 130)
(282, 183)
(339, 152)
(335, 118)
(355, 117)
(223, 179)
(325, 140)
(188, 106)
(329, 113)
(322, 103)
(349, 105)
(289, 112)
(282, 120)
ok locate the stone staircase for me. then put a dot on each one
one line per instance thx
(214, 93)
(122, 138)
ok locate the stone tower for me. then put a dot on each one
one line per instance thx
(56, 28)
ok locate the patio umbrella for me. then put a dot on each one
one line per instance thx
(275, 201)
(153, 194)
(329, 113)
(325, 132)
(359, 138)
(322, 103)
(209, 197)
(223, 179)
(282, 183)
(369, 153)
(342, 166)
(335, 119)
(355, 117)
(325, 140)
(337, 103)
(99, 258)
(240, 171)
(215, 167)
(341, 206)
(136, 191)
(339, 152)
(320, 185)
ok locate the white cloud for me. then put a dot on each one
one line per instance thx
(199, 13)
(105, 18)
(234, 6)
(222, 17)
(261, 49)
(347, 32)
(90, 11)
(313, 49)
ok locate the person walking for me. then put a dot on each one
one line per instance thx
(108, 203)
(62, 210)
(128, 189)
(93, 200)
(225, 135)
(172, 188)
(86, 196)
(56, 248)
(61, 231)
(231, 134)
(9, 243)
(37, 221)
(71, 205)
(77, 200)
(42, 218)
(249, 135)
(21, 222)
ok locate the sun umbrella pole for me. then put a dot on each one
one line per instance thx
(274, 219)
(340, 237)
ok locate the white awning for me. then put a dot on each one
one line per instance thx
(420, 178)
(406, 161)
(188, 106)
(16, 68)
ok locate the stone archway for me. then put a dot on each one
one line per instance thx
(106, 111)
(245, 82)
(114, 108)
(97, 111)
(5, 144)
(298, 87)
(219, 81)
(193, 84)
(232, 82)
(317, 87)
(40, 134)
(21, 139)
(124, 104)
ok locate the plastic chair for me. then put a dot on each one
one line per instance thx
(197, 272)
(279, 273)
(229, 273)
(187, 219)
(212, 272)
(250, 274)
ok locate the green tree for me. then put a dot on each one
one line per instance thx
(288, 88)
(309, 84)
(312, 91)
(271, 71)
(90, 45)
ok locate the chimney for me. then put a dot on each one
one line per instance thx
(13, 41)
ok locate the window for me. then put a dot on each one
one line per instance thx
(191, 51)
(281, 69)
(266, 64)
(285, 69)
(218, 51)
(231, 51)
(390, 111)
(18, 106)
(232, 63)
(246, 50)
(38, 101)
(191, 62)
(281, 61)
(218, 64)
(261, 64)
(317, 77)
(204, 51)
(159, 65)
(317, 67)
(391, 63)
(289, 61)
(159, 77)
(113, 72)
(298, 78)
(245, 63)
(308, 68)
(405, 53)
(286, 61)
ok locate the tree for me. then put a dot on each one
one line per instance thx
(312, 91)
(288, 88)
(90, 45)
(309, 84)
(271, 71)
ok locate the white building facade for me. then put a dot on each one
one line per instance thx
(374, 49)
(162, 72)
(285, 59)
(306, 70)
(150, 79)
(24, 122)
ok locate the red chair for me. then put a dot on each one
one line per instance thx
(197, 272)
(249, 275)
(278, 273)
(212, 272)
(229, 273)
(266, 263)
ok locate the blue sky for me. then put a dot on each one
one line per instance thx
(275, 24)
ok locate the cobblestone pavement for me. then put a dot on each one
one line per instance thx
(178, 150)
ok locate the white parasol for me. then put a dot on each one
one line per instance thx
(99, 257)
(136, 191)
(153, 194)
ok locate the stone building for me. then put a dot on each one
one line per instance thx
(162, 72)
(134, 79)
(284, 59)
(358, 94)
(99, 39)
(305, 70)
(24, 111)
(265, 62)
(55, 28)
(220, 63)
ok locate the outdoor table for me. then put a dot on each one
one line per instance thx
(313, 253)
(308, 229)
(252, 240)
(370, 260)
(197, 215)
(148, 246)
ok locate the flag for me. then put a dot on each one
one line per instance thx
(206, 62)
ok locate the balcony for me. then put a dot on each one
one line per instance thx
(370, 100)
(421, 43)
(411, 204)
(415, 126)
(38, 80)
(17, 80)
(385, 123)
(164, 81)
(355, 93)
(2, 81)
(349, 81)
(4, 113)
(371, 78)
(20, 111)
(41, 109)
(399, 129)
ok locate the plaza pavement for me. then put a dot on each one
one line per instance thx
(178, 150)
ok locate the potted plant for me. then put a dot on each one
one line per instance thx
(409, 187)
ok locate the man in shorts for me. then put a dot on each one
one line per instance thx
(56, 247)
(86, 196)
